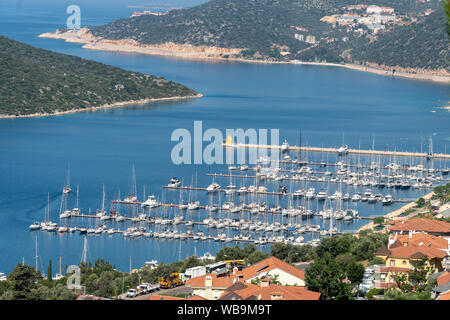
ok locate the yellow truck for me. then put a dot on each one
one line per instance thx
(171, 281)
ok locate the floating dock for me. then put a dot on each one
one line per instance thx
(335, 150)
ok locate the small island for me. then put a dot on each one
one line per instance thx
(36, 82)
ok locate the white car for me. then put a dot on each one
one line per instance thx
(131, 293)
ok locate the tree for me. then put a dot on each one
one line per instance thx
(24, 281)
(373, 292)
(420, 202)
(280, 250)
(378, 220)
(230, 253)
(355, 272)
(328, 277)
(49, 271)
(256, 256)
(418, 276)
(416, 280)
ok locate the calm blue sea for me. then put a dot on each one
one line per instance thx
(101, 147)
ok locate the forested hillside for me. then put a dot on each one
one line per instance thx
(39, 81)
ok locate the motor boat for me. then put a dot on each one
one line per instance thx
(213, 187)
(343, 150)
(322, 195)
(387, 200)
(151, 202)
(193, 205)
(35, 226)
(174, 183)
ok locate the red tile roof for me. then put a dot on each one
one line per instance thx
(416, 247)
(225, 281)
(196, 298)
(417, 238)
(444, 296)
(443, 278)
(158, 297)
(417, 252)
(271, 292)
(421, 224)
(221, 282)
(270, 264)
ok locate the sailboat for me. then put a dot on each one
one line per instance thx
(77, 210)
(58, 275)
(193, 204)
(63, 212)
(132, 196)
(67, 188)
(102, 212)
(84, 254)
(430, 150)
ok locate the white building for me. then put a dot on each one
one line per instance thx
(374, 10)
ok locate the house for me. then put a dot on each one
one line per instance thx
(266, 290)
(386, 17)
(442, 289)
(433, 227)
(285, 273)
(404, 250)
(441, 292)
(212, 286)
(441, 278)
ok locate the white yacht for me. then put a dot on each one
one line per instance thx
(285, 146)
(343, 150)
(242, 190)
(151, 202)
(213, 187)
(193, 205)
(322, 195)
(311, 193)
(35, 226)
(119, 218)
(65, 214)
(387, 200)
(356, 197)
(174, 183)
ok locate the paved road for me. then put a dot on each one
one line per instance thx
(173, 291)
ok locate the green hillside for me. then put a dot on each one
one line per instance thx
(39, 81)
(265, 29)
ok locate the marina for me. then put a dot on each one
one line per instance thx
(301, 212)
(99, 148)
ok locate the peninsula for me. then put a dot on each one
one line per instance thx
(333, 33)
(37, 82)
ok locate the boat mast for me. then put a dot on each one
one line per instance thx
(36, 256)
(68, 176)
(78, 197)
(84, 254)
(103, 199)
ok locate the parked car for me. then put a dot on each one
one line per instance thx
(131, 293)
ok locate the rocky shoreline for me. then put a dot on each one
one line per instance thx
(102, 107)
(222, 54)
